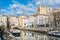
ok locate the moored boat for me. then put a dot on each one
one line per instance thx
(54, 34)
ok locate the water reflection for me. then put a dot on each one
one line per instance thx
(41, 36)
(53, 38)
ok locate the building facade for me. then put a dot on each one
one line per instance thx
(29, 22)
(13, 21)
(21, 21)
(41, 20)
(3, 20)
(56, 15)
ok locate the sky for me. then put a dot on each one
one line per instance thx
(24, 7)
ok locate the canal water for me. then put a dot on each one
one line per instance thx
(1, 37)
(47, 37)
(42, 36)
(38, 36)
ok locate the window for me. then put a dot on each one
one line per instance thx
(47, 25)
(30, 26)
(58, 24)
(40, 25)
(13, 24)
(25, 24)
(32, 34)
(1, 21)
(57, 16)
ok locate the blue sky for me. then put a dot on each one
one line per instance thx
(18, 7)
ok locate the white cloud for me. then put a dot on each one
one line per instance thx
(17, 8)
(2, 10)
(47, 2)
(30, 5)
(20, 8)
(38, 3)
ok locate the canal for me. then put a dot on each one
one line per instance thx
(37, 35)
(42, 36)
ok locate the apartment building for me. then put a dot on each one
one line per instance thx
(3, 20)
(43, 21)
(13, 21)
(56, 19)
(27, 21)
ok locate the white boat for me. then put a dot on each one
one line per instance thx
(54, 34)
